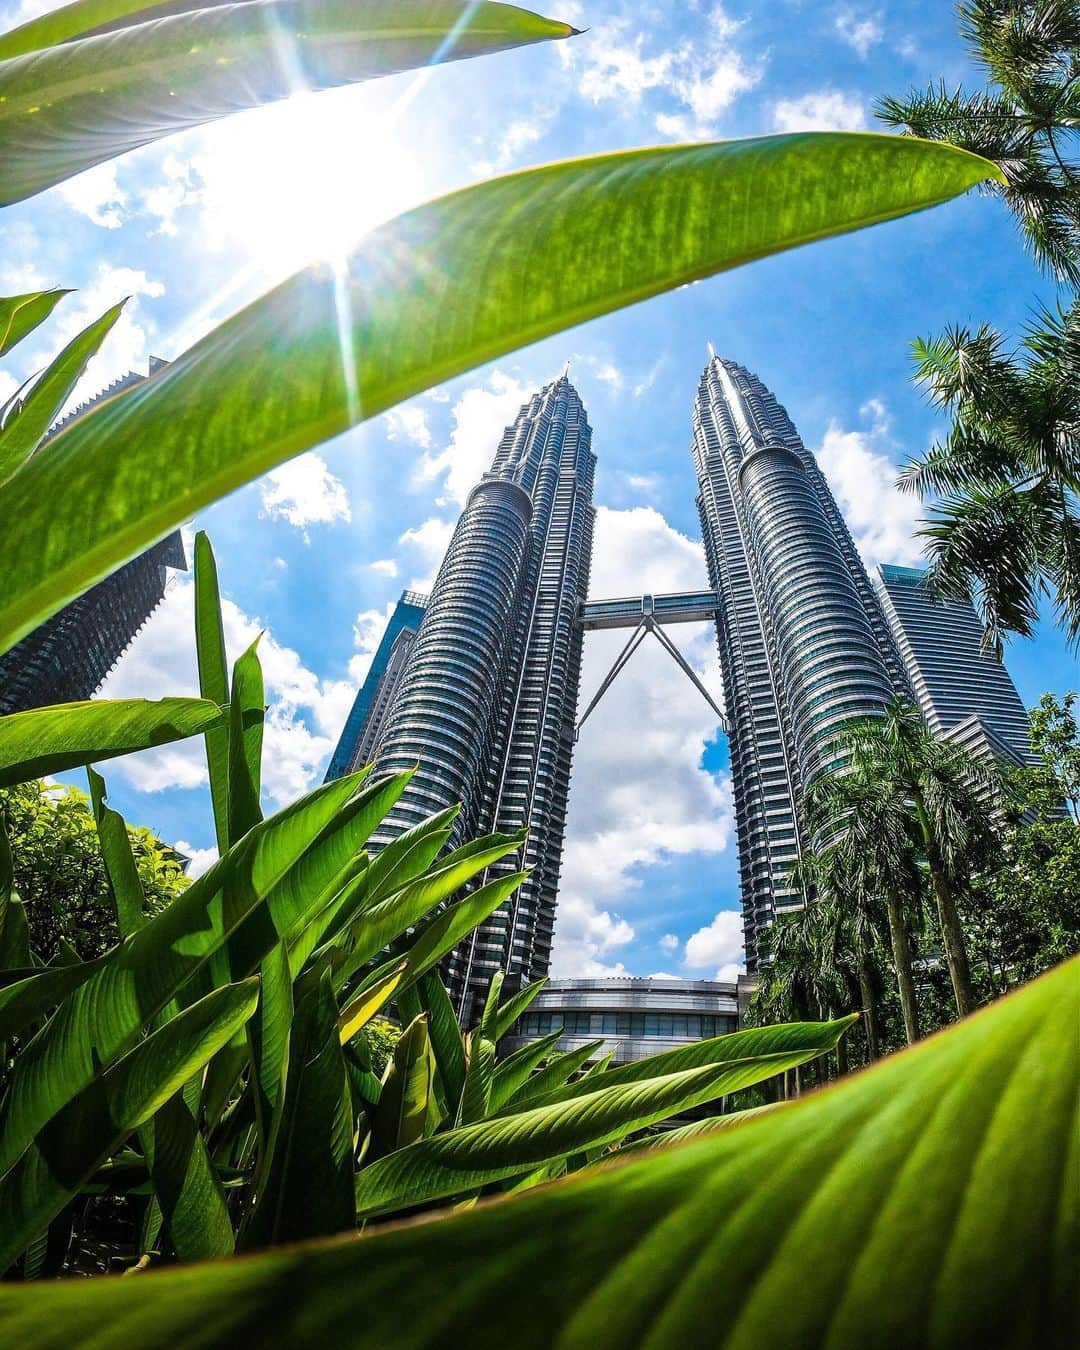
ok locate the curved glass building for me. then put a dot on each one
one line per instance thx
(802, 639)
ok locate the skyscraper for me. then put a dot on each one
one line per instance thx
(802, 639)
(484, 701)
(964, 693)
(68, 656)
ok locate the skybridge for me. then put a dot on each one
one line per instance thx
(646, 614)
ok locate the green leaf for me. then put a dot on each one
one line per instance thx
(134, 982)
(409, 854)
(402, 1112)
(268, 1034)
(752, 1055)
(30, 993)
(480, 1074)
(70, 106)
(475, 1155)
(515, 1070)
(445, 1034)
(560, 244)
(247, 709)
(382, 923)
(127, 891)
(79, 1138)
(928, 1203)
(308, 1188)
(513, 1008)
(21, 314)
(359, 1011)
(14, 930)
(49, 740)
(544, 1084)
(213, 680)
(32, 415)
(186, 1186)
(698, 1129)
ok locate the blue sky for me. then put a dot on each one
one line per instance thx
(314, 554)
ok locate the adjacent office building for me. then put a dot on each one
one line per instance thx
(68, 657)
(482, 697)
(802, 639)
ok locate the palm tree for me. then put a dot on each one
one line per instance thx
(951, 796)
(1024, 120)
(872, 866)
(799, 981)
(844, 918)
(1005, 523)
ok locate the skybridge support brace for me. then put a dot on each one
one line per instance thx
(642, 613)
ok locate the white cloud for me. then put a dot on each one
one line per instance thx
(480, 416)
(730, 971)
(663, 975)
(427, 545)
(823, 110)
(859, 31)
(720, 943)
(647, 483)
(609, 374)
(202, 859)
(127, 346)
(385, 567)
(304, 713)
(638, 799)
(304, 492)
(669, 942)
(703, 74)
(97, 195)
(518, 136)
(881, 518)
(409, 422)
(180, 188)
(585, 933)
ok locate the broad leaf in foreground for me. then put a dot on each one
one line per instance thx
(927, 1202)
(67, 107)
(21, 314)
(50, 740)
(441, 289)
(98, 1120)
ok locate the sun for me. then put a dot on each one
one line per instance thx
(303, 180)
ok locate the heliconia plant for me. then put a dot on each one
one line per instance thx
(214, 1065)
(214, 1069)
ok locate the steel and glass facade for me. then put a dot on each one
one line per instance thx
(803, 643)
(67, 658)
(953, 677)
(485, 699)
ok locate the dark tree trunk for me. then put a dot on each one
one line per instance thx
(905, 979)
(869, 1003)
(952, 934)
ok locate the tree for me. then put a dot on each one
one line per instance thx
(871, 868)
(1025, 119)
(1004, 527)
(950, 796)
(60, 874)
(1054, 780)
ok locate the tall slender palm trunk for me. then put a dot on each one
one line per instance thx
(905, 979)
(869, 1002)
(952, 933)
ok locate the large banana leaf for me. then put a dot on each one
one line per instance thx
(29, 993)
(433, 293)
(32, 414)
(445, 1036)
(787, 1045)
(21, 314)
(402, 1111)
(73, 105)
(127, 891)
(516, 1069)
(100, 1117)
(247, 711)
(514, 1006)
(308, 1190)
(136, 981)
(928, 1203)
(480, 1074)
(213, 680)
(49, 740)
(489, 1150)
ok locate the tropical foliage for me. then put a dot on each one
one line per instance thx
(1026, 118)
(923, 1203)
(1004, 526)
(214, 1072)
(873, 940)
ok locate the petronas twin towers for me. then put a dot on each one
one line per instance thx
(478, 684)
